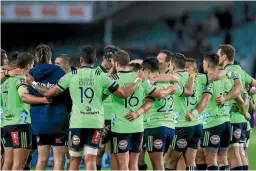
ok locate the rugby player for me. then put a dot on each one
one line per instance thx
(238, 119)
(17, 132)
(216, 121)
(159, 125)
(127, 137)
(105, 67)
(86, 87)
(64, 62)
(50, 122)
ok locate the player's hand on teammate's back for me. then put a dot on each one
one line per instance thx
(132, 116)
(189, 116)
(29, 79)
(47, 101)
(172, 89)
(141, 75)
(220, 100)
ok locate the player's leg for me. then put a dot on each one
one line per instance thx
(100, 154)
(242, 147)
(194, 133)
(178, 146)
(76, 145)
(211, 144)
(2, 148)
(113, 162)
(157, 139)
(248, 136)
(21, 146)
(34, 147)
(141, 163)
(91, 147)
(60, 148)
(200, 159)
(223, 151)
(136, 142)
(235, 160)
(43, 147)
(8, 154)
(181, 165)
(120, 147)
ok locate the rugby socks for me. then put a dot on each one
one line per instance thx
(225, 167)
(98, 167)
(201, 166)
(143, 167)
(169, 169)
(191, 168)
(245, 167)
(237, 168)
(213, 168)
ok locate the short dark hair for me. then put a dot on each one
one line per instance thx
(168, 55)
(23, 59)
(151, 63)
(89, 54)
(212, 58)
(109, 50)
(122, 57)
(65, 58)
(3, 52)
(179, 60)
(15, 55)
(192, 60)
(135, 66)
(237, 63)
(43, 53)
(228, 50)
(75, 61)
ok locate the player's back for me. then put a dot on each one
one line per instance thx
(214, 114)
(181, 104)
(86, 87)
(161, 113)
(14, 110)
(121, 107)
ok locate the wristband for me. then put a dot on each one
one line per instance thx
(34, 84)
(195, 112)
(137, 81)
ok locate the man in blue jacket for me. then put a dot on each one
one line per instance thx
(50, 123)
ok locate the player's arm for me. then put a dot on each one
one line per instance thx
(149, 102)
(216, 76)
(235, 92)
(30, 99)
(252, 107)
(160, 94)
(124, 92)
(139, 61)
(249, 80)
(201, 106)
(241, 104)
(165, 78)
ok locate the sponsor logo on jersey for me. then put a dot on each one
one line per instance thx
(75, 140)
(237, 133)
(15, 138)
(215, 139)
(158, 143)
(123, 144)
(182, 143)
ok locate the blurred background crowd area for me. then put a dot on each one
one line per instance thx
(141, 28)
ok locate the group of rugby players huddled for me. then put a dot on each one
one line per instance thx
(184, 117)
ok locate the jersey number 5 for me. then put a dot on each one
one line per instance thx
(87, 93)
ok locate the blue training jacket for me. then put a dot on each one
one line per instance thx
(52, 118)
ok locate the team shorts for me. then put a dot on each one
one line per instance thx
(144, 145)
(107, 137)
(79, 137)
(158, 139)
(186, 137)
(17, 136)
(216, 137)
(2, 140)
(52, 139)
(123, 142)
(238, 132)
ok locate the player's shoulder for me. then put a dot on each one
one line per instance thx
(114, 77)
